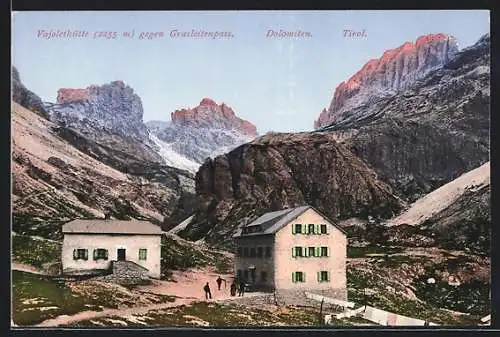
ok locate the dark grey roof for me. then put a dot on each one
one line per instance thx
(272, 222)
(105, 226)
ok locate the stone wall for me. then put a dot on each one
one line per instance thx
(127, 273)
(292, 298)
(298, 297)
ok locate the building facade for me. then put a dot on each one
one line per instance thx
(90, 246)
(293, 250)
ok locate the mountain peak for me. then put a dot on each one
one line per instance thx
(69, 95)
(209, 114)
(396, 69)
(208, 101)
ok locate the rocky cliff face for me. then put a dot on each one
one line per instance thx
(60, 175)
(277, 171)
(396, 70)
(26, 98)
(110, 114)
(430, 133)
(205, 131)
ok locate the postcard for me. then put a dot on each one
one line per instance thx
(250, 169)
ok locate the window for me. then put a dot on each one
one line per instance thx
(298, 276)
(239, 251)
(324, 251)
(245, 252)
(143, 253)
(252, 252)
(238, 274)
(312, 251)
(323, 229)
(268, 251)
(297, 251)
(297, 228)
(245, 274)
(259, 252)
(323, 276)
(310, 228)
(100, 254)
(80, 254)
(263, 276)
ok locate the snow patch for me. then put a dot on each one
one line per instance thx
(173, 158)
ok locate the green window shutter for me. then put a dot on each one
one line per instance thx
(293, 229)
(327, 251)
(293, 277)
(75, 254)
(318, 274)
(328, 276)
(317, 229)
(106, 254)
(318, 251)
(303, 277)
(95, 254)
(301, 228)
(86, 254)
(293, 251)
(305, 252)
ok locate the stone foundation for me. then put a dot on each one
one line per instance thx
(127, 273)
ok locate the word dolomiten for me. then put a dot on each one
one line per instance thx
(282, 33)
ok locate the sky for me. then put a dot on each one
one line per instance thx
(279, 84)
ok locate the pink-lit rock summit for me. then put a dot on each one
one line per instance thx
(395, 70)
(207, 130)
(210, 114)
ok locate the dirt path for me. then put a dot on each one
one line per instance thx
(26, 268)
(86, 315)
(188, 288)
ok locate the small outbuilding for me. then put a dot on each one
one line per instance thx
(92, 246)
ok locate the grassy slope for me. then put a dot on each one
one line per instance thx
(35, 252)
(382, 277)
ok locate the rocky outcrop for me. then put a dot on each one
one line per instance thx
(110, 115)
(465, 224)
(72, 95)
(396, 70)
(277, 171)
(432, 132)
(205, 131)
(25, 97)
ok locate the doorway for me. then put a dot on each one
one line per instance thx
(121, 254)
(252, 275)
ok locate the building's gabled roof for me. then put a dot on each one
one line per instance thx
(271, 222)
(105, 226)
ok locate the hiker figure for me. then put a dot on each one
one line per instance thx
(242, 289)
(208, 294)
(233, 289)
(219, 282)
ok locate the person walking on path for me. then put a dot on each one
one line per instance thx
(219, 282)
(233, 289)
(208, 294)
(242, 289)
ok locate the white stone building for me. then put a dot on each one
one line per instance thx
(293, 251)
(90, 246)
